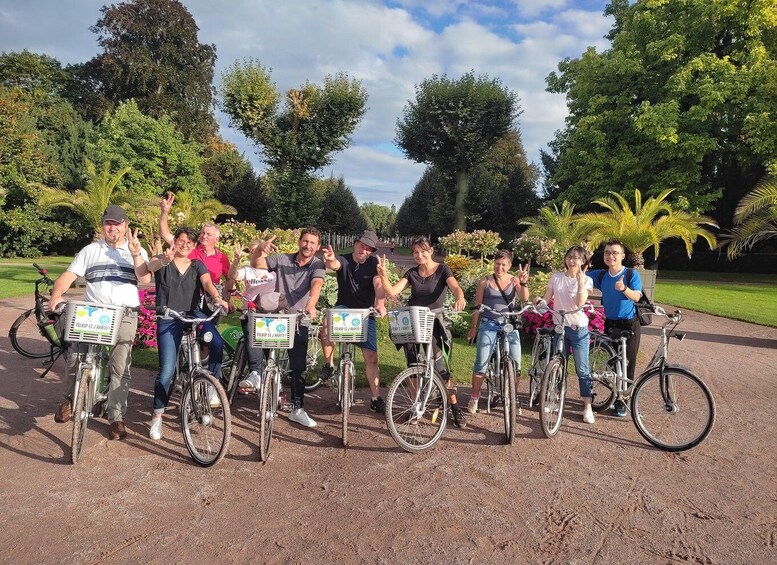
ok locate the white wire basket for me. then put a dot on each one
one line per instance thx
(272, 331)
(411, 324)
(347, 324)
(89, 322)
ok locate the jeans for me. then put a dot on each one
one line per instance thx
(254, 354)
(298, 361)
(487, 341)
(578, 340)
(215, 347)
(168, 336)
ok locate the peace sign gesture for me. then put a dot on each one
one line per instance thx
(167, 202)
(238, 252)
(329, 254)
(523, 274)
(133, 243)
(381, 265)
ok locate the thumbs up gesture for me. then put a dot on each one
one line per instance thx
(620, 286)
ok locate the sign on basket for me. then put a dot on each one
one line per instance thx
(93, 320)
(347, 324)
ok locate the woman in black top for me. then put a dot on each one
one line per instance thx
(428, 282)
(179, 283)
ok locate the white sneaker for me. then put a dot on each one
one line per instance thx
(251, 381)
(213, 397)
(301, 417)
(588, 415)
(472, 407)
(155, 432)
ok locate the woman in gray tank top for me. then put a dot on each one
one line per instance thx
(497, 291)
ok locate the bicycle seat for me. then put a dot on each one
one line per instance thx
(546, 331)
(618, 333)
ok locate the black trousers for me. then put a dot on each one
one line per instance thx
(298, 360)
(632, 344)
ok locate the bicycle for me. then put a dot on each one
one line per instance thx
(554, 380)
(346, 327)
(671, 407)
(501, 373)
(206, 421)
(34, 334)
(271, 332)
(97, 327)
(417, 399)
(235, 363)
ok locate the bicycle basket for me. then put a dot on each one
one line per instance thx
(347, 324)
(272, 331)
(88, 322)
(411, 324)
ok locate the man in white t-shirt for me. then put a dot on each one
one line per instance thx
(108, 265)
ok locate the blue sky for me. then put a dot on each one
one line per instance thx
(390, 45)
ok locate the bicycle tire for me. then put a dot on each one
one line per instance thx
(509, 399)
(268, 403)
(345, 398)
(415, 432)
(206, 427)
(82, 409)
(679, 426)
(312, 380)
(602, 374)
(28, 339)
(537, 368)
(236, 369)
(552, 395)
(491, 379)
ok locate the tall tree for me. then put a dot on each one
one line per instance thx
(453, 123)
(297, 139)
(151, 54)
(421, 211)
(381, 219)
(685, 98)
(340, 212)
(160, 159)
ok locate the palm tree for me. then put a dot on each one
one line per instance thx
(649, 223)
(90, 202)
(197, 213)
(557, 225)
(755, 218)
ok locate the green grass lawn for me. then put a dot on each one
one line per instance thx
(19, 275)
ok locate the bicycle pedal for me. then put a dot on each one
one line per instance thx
(286, 406)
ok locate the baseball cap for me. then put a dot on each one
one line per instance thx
(369, 238)
(114, 213)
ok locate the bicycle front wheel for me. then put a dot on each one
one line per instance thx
(552, 395)
(237, 369)
(509, 398)
(600, 356)
(27, 339)
(416, 409)
(268, 403)
(678, 418)
(82, 408)
(312, 380)
(345, 397)
(539, 357)
(205, 419)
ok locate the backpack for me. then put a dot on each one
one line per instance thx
(643, 305)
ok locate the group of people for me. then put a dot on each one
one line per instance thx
(193, 267)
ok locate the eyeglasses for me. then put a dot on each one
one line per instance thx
(576, 257)
(612, 252)
(185, 243)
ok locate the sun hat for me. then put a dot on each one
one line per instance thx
(369, 238)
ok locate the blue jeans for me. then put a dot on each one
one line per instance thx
(215, 347)
(578, 340)
(487, 342)
(168, 337)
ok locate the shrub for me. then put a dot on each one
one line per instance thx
(145, 335)
(457, 263)
(532, 321)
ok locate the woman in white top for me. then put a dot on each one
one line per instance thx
(257, 282)
(569, 290)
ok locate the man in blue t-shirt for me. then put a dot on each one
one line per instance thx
(358, 286)
(620, 291)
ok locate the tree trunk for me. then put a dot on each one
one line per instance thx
(459, 208)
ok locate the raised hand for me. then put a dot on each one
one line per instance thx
(167, 202)
(329, 254)
(169, 255)
(523, 274)
(620, 286)
(133, 242)
(238, 252)
(381, 266)
(267, 246)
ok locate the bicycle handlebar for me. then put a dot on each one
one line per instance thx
(563, 313)
(165, 312)
(509, 313)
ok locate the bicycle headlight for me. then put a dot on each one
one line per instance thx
(508, 328)
(207, 337)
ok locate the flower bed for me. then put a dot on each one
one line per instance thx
(532, 321)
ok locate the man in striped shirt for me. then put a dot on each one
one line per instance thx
(108, 265)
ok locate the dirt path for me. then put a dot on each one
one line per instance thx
(595, 494)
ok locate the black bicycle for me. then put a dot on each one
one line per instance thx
(36, 333)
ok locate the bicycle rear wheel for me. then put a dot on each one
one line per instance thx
(415, 421)
(268, 403)
(552, 395)
(509, 399)
(602, 373)
(236, 369)
(539, 356)
(82, 408)
(312, 380)
(205, 419)
(345, 397)
(679, 420)
(28, 339)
